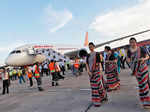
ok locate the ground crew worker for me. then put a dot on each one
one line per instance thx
(11, 75)
(38, 77)
(5, 78)
(53, 73)
(20, 76)
(29, 73)
(76, 67)
(15, 74)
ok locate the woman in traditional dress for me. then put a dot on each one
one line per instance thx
(118, 61)
(96, 77)
(136, 57)
(111, 71)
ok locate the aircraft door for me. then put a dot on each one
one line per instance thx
(31, 51)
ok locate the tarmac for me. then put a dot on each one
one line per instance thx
(73, 95)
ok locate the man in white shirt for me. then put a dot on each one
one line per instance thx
(5, 78)
(46, 69)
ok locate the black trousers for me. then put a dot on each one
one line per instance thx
(5, 86)
(59, 76)
(54, 76)
(45, 71)
(31, 81)
(123, 62)
(102, 63)
(63, 70)
(39, 81)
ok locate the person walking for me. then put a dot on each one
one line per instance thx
(20, 76)
(111, 71)
(99, 93)
(29, 73)
(136, 57)
(58, 70)
(38, 77)
(53, 73)
(5, 78)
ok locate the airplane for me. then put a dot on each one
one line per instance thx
(32, 53)
(80, 53)
(23, 56)
(27, 55)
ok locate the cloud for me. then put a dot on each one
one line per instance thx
(10, 47)
(57, 19)
(124, 21)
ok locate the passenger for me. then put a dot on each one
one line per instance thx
(41, 70)
(102, 61)
(62, 67)
(111, 72)
(81, 65)
(96, 77)
(122, 55)
(45, 69)
(58, 70)
(66, 65)
(118, 60)
(137, 57)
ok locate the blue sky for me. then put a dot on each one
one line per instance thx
(56, 21)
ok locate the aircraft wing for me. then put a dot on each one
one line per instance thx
(72, 54)
(108, 42)
(83, 52)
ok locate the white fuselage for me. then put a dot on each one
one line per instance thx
(23, 57)
(20, 59)
(28, 55)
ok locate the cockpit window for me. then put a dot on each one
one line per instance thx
(12, 52)
(18, 51)
(15, 52)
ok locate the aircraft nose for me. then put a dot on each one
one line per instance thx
(9, 60)
(19, 60)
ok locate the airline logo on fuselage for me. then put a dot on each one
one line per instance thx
(43, 46)
(67, 48)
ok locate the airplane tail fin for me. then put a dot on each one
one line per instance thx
(86, 42)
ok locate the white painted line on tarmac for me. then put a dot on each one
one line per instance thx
(85, 89)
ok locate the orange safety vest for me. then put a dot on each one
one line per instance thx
(76, 65)
(37, 74)
(29, 74)
(52, 67)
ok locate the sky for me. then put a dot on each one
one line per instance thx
(67, 21)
